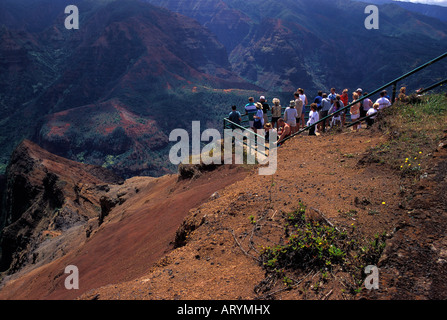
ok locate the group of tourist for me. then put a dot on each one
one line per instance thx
(323, 106)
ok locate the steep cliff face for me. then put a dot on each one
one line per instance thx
(277, 55)
(2, 200)
(22, 74)
(316, 45)
(60, 212)
(45, 197)
(230, 24)
(105, 134)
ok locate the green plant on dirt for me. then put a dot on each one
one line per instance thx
(297, 216)
(312, 246)
(287, 281)
(412, 164)
(252, 219)
(319, 247)
(349, 155)
(371, 251)
(350, 213)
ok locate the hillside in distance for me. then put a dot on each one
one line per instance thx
(283, 45)
(110, 92)
(431, 10)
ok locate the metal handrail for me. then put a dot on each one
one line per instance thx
(361, 120)
(282, 109)
(240, 127)
(437, 84)
(250, 131)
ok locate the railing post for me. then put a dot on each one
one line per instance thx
(394, 92)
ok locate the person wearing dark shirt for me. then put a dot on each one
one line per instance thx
(235, 117)
(265, 108)
(318, 100)
(325, 107)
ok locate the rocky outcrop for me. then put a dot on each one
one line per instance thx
(61, 213)
(316, 45)
(229, 24)
(46, 196)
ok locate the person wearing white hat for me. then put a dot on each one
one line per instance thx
(291, 115)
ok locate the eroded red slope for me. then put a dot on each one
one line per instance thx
(131, 239)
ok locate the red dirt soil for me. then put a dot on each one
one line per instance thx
(132, 238)
(130, 256)
(322, 172)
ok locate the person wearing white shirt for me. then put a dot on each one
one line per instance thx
(291, 116)
(373, 113)
(299, 106)
(303, 98)
(382, 101)
(313, 118)
(366, 105)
